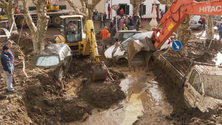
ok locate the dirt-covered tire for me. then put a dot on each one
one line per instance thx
(56, 21)
(60, 74)
(20, 20)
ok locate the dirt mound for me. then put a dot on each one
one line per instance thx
(101, 95)
(49, 101)
(25, 42)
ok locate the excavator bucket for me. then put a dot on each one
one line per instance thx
(139, 53)
(99, 72)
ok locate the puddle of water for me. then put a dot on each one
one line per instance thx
(141, 96)
(203, 35)
(133, 110)
(218, 59)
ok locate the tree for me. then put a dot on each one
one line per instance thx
(37, 31)
(136, 5)
(87, 8)
(9, 6)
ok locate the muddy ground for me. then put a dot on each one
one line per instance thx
(199, 51)
(41, 99)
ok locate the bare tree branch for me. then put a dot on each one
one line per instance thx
(95, 2)
(4, 2)
(34, 2)
(74, 6)
(28, 17)
(38, 32)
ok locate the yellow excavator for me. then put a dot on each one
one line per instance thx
(71, 33)
(3, 16)
(52, 5)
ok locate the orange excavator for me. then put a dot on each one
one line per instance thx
(175, 15)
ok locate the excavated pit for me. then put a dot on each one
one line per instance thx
(41, 99)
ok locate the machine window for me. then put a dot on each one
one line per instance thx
(73, 30)
(195, 81)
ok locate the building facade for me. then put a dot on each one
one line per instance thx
(145, 7)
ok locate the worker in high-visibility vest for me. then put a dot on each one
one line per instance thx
(124, 27)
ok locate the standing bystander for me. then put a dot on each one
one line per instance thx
(104, 18)
(11, 56)
(121, 12)
(137, 22)
(203, 22)
(95, 15)
(113, 33)
(130, 23)
(124, 27)
(104, 34)
(220, 31)
(121, 22)
(7, 68)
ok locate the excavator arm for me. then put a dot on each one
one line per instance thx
(177, 13)
(139, 55)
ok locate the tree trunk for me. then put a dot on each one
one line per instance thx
(210, 27)
(136, 5)
(87, 9)
(184, 34)
(9, 7)
(11, 18)
(38, 32)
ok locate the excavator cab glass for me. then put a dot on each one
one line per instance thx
(54, 3)
(71, 29)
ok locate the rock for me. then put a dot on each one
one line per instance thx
(172, 114)
(117, 73)
(86, 115)
(49, 102)
(36, 110)
(50, 112)
(19, 110)
(83, 80)
(78, 74)
(169, 118)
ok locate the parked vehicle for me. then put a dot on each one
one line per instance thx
(124, 34)
(58, 55)
(195, 23)
(120, 53)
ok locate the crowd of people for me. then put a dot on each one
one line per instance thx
(122, 22)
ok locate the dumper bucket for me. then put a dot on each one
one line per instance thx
(139, 53)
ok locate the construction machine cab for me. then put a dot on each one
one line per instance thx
(71, 28)
(52, 5)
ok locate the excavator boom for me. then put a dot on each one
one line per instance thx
(175, 15)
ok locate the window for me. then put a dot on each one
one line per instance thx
(73, 29)
(125, 43)
(193, 22)
(32, 8)
(54, 2)
(195, 81)
(62, 7)
(47, 60)
(127, 35)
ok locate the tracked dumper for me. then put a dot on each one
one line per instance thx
(200, 82)
(176, 67)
